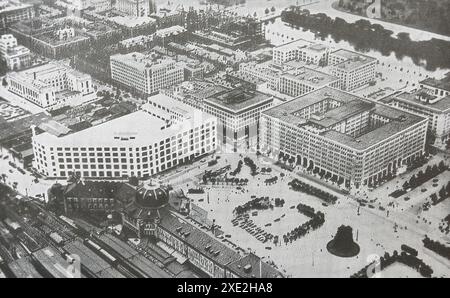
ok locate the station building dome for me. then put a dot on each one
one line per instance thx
(152, 196)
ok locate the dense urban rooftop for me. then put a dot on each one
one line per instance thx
(350, 104)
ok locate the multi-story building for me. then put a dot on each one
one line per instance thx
(13, 11)
(165, 134)
(95, 5)
(266, 71)
(149, 215)
(193, 93)
(193, 71)
(137, 8)
(78, 4)
(343, 136)
(238, 112)
(96, 196)
(7, 42)
(100, 5)
(146, 211)
(62, 43)
(135, 26)
(50, 85)
(167, 17)
(59, 38)
(15, 56)
(145, 73)
(426, 104)
(302, 50)
(140, 40)
(303, 80)
(353, 69)
(439, 88)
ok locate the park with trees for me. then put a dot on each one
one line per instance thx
(365, 36)
(428, 15)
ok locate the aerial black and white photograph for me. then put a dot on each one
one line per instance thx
(197, 140)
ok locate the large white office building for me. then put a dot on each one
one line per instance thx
(136, 8)
(7, 42)
(14, 11)
(238, 114)
(51, 85)
(343, 136)
(302, 50)
(268, 71)
(303, 80)
(353, 69)
(425, 103)
(160, 136)
(15, 56)
(146, 73)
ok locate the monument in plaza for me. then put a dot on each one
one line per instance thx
(342, 244)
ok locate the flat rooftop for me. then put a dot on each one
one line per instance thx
(130, 22)
(198, 239)
(49, 38)
(439, 104)
(7, 6)
(172, 104)
(350, 104)
(334, 116)
(352, 59)
(238, 100)
(12, 129)
(140, 60)
(296, 44)
(318, 47)
(443, 84)
(170, 30)
(311, 77)
(135, 129)
(36, 75)
(195, 89)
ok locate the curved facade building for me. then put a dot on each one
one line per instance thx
(166, 134)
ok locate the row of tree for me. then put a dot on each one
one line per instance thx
(224, 180)
(271, 181)
(442, 195)
(315, 222)
(298, 185)
(266, 170)
(251, 164)
(255, 204)
(422, 177)
(437, 247)
(238, 169)
(387, 260)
